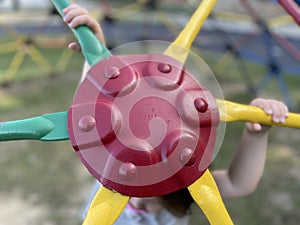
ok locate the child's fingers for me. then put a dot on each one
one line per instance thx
(263, 104)
(80, 20)
(284, 111)
(74, 46)
(83, 19)
(277, 109)
(79, 16)
(76, 16)
(280, 111)
(73, 14)
(73, 6)
(253, 127)
(72, 11)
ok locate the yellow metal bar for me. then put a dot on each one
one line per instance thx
(38, 58)
(13, 32)
(106, 207)
(179, 49)
(9, 47)
(235, 17)
(14, 66)
(63, 60)
(230, 16)
(206, 194)
(234, 112)
(168, 22)
(223, 62)
(280, 21)
(127, 10)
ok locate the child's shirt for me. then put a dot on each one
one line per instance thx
(131, 216)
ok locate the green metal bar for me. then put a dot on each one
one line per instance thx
(48, 127)
(93, 50)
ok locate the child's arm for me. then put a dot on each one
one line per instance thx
(247, 167)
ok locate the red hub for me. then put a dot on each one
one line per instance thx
(142, 125)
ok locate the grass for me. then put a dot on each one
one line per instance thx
(49, 62)
(48, 177)
(51, 181)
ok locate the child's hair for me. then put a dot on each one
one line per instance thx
(178, 203)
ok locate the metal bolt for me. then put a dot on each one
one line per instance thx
(164, 67)
(87, 123)
(201, 105)
(187, 157)
(112, 72)
(127, 171)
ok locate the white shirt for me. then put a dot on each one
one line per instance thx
(130, 216)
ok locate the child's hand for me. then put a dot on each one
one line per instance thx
(277, 109)
(76, 16)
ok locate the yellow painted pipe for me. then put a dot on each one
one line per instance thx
(234, 112)
(230, 16)
(206, 194)
(179, 48)
(106, 207)
(39, 59)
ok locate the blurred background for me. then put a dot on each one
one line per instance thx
(253, 48)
